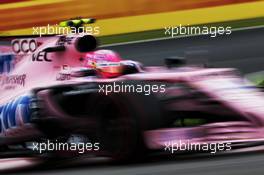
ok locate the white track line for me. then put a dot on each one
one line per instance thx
(7, 164)
(181, 36)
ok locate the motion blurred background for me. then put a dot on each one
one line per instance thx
(117, 17)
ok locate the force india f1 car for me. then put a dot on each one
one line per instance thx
(46, 92)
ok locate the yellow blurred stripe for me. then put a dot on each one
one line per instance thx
(161, 20)
(29, 3)
(51, 14)
(192, 17)
(39, 15)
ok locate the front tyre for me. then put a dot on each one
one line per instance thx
(122, 120)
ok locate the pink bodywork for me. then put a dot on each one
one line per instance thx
(49, 73)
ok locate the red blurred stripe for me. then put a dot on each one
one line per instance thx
(11, 1)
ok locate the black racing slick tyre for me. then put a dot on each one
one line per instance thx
(122, 120)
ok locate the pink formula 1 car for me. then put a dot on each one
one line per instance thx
(58, 92)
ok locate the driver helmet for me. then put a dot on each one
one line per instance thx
(107, 62)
